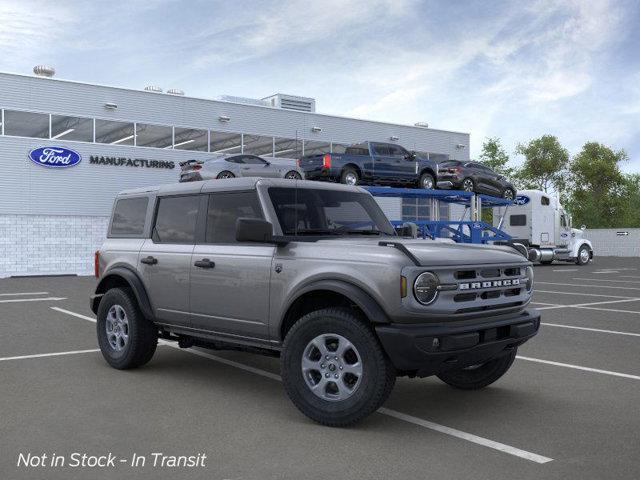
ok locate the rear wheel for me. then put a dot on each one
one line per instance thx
(334, 369)
(126, 338)
(349, 176)
(225, 174)
(468, 185)
(293, 175)
(584, 255)
(479, 376)
(427, 181)
(508, 194)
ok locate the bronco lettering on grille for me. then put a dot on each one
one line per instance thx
(492, 284)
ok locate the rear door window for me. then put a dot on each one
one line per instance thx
(176, 219)
(381, 150)
(128, 217)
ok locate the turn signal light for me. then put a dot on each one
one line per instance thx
(326, 161)
(403, 287)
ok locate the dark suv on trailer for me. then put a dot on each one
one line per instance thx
(474, 177)
(314, 273)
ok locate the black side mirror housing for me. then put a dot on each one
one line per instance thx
(254, 230)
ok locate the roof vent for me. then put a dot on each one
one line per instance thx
(175, 91)
(422, 124)
(292, 102)
(44, 71)
(153, 88)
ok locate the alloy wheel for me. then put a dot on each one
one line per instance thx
(117, 328)
(350, 178)
(332, 367)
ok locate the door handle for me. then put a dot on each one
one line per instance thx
(149, 260)
(246, 168)
(204, 263)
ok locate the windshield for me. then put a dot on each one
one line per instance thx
(305, 211)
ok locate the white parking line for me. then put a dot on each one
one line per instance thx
(384, 411)
(614, 332)
(48, 299)
(606, 280)
(565, 270)
(588, 305)
(23, 293)
(584, 294)
(54, 354)
(611, 310)
(74, 314)
(591, 286)
(628, 276)
(579, 367)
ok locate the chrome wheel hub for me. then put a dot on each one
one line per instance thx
(351, 179)
(117, 328)
(332, 367)
(467, 186)
(427, 183)
(584, 255)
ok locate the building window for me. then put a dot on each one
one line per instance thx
(191, 139)
(72, 128)
(287, 148)
(257, 145)
(26, 124)
(114, 133)
(316, 148)
(157, 136)
(225, 142)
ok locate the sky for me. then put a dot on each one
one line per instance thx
(514, 70)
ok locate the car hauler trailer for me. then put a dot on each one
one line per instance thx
(538, 221)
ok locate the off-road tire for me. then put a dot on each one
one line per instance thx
(480, 377)
(143, 335)
(423, 179)
(378, 376)
(348, 171)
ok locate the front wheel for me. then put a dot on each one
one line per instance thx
(479, 376)
(334, 369)
(584, 255)
(225, 174)
(508, 194)
(427, 181)
(349, 177)
(468, 185)
(126, 338)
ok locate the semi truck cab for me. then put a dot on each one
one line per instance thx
(538, 221)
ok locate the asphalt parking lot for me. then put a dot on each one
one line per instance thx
(568, 408)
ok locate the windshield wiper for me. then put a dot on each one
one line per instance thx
(364, 232)
(314, 231)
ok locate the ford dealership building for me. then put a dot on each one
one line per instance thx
(66, 149)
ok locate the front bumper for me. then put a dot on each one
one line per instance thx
(426, 350)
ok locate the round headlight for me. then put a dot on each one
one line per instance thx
(529, 274)
(425, 288)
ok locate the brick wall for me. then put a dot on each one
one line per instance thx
(49, 244)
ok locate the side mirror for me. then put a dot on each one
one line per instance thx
(267, 163)
(583, 227)
(254, 230)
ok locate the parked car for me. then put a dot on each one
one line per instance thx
(372, 163)
(474, 177)
(314, 273)
(231, 166)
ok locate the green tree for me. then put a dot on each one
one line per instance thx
(599, 192)
(495, 157)
(545, 164)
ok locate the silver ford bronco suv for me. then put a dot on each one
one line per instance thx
(313, 273)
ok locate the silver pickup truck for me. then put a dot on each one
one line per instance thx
(313, 273)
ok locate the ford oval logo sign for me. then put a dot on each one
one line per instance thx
(55, 157)
(521, 200)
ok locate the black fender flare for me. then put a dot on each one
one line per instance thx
(133, 281)
(369, 306)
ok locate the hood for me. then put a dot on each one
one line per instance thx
(432, 253)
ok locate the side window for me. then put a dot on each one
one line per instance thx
(381, 149)
(176, 219)
(235, 160)
(253, 160)
(223, 211)
(563, 221)
(517, 220)
(544, 200)
(128, 217)
(396, 151)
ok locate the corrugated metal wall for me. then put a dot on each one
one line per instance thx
(610, 242)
